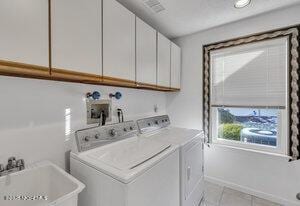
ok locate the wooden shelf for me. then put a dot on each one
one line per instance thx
(8, 68)
(67, 75)
(111, 81)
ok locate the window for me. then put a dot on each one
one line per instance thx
(252, 128)
(249, 95)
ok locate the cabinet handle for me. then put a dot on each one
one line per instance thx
(188, 173)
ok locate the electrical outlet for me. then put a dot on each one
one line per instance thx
(155, 108)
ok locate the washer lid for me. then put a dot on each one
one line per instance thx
(127, 159)
(129, 154)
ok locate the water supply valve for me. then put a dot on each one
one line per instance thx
(117, 95)
(95, 95)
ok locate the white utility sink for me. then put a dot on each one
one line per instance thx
(42, 184)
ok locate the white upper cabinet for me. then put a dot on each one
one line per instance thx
(164, 61)
(118, 41)
(145, 53)
(175, 66)
(24, 31)
(77, 35)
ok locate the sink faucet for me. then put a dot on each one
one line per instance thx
(12, 166)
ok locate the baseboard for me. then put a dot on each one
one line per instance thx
(250, 191)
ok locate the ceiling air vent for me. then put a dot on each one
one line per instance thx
(154, 5)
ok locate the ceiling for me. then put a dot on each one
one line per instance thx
(182, 17)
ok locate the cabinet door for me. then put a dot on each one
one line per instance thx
(145, 53)
(164, 58)
(76, 36)
(118, 41)
(24, 31)
(175, 66)
(192, 171)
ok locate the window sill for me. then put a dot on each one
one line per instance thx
(288, 158)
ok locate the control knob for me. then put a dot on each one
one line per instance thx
(113, 132)
(87, 138)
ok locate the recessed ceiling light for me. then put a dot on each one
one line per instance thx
(241, 3)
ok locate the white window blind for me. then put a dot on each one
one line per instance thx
(250, 75)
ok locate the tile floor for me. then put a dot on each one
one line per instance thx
(216, 195)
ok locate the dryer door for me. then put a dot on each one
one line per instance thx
(192, 179)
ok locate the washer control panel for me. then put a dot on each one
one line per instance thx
(93, 137)
(153, 123)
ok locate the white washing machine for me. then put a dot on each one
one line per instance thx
(121, 169)
(191, 147)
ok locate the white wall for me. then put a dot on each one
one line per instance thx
(264, 175)
(33, 121)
